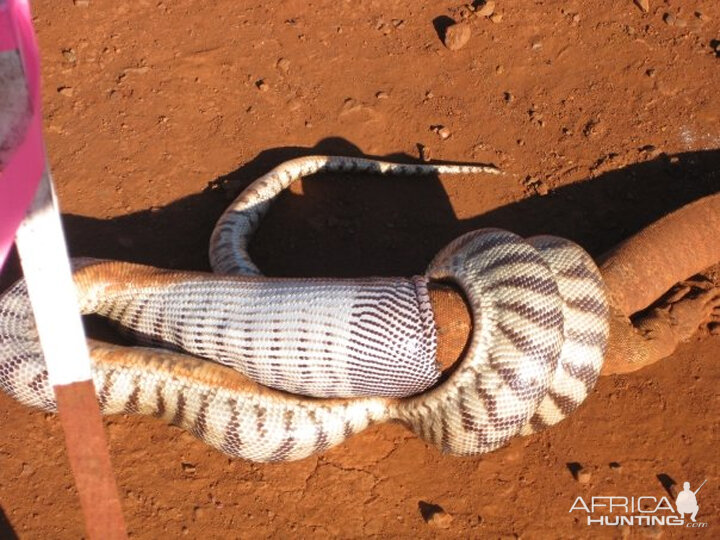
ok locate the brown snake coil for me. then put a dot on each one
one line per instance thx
(540, 327)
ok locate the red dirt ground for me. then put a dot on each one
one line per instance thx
(605, 118)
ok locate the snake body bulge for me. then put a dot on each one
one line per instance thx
(339, 338)
(540, 328)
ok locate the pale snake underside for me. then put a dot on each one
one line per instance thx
(540, 328)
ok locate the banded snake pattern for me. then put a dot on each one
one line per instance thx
(324, 358)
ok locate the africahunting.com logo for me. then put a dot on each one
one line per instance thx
(644, 511)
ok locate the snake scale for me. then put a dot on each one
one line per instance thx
(324, 358)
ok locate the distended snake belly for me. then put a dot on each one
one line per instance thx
(540, 328)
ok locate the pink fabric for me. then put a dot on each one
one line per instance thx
(22, 173)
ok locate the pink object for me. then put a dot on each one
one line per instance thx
(22, 173)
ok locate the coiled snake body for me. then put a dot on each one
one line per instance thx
(327, 358)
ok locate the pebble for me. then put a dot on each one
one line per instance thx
(669, 19)
(81, 3)
(69, 55)
(440, 519)
(66, 91)
(584, 477)
(283, 64)
(425, 153)
(496, 18)
(442, 131)
(538, 186)
(508, 97)
(457, 36)
(262, 85)
(381, 95)
(615, 466)
(652, 151)
(644, 5)
(27, 469)
(487, 9)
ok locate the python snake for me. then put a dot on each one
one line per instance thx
(540, 328)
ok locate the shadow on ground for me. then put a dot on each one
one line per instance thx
(359, 225)
(6, 530)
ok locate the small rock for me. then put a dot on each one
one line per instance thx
(441, 520)
(615, 466)
(487, 9)
(349, 104)
(262, 85)
(508, 97)
(499, 70)
(188, 468)
(700, 15)
(425, 153)
(435, 516)
(66, 91)
(69, 55)
(651, 150)
(669, 19)
(496, 18)
(81, 3)
(27, 469)
(537, 186)
(198, 513)
(456, 36)
(584, 477)
(650, 73)
(444, 132)
(283, 64)
(644, 5)
(381, 95)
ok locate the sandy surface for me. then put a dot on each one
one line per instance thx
(604, 118)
